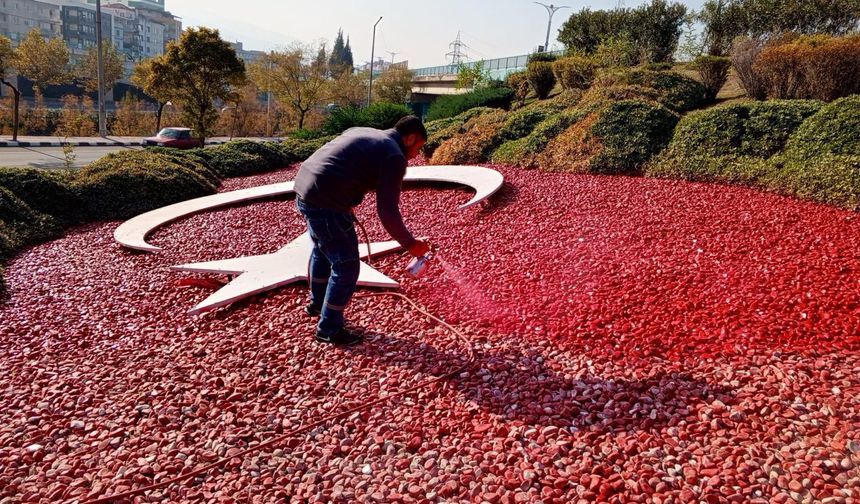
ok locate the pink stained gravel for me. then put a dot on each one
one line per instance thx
(638, 339)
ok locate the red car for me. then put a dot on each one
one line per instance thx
(178, 138)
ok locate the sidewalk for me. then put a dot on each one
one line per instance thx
(52, 141)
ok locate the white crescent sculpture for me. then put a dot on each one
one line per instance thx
(132, 233)
(258, 274)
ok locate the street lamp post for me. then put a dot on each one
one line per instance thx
(101, 70)
(550, 9)
(372, 50)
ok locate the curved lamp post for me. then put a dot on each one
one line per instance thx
(372, 49)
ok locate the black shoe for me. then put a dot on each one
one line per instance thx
(344, 337)
(313, 310)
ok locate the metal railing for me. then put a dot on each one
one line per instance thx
(498, 68)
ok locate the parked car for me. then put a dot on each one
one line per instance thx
(178, 138)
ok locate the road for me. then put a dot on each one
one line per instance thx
(52, 157)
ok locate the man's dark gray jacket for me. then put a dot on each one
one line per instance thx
(339, 174)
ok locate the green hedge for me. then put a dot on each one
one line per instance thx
(195, 159)
(522, 151)
(299, 150)
(835, 129)
(124, 184)
(759, 129)
(452, 105)
(631, 133)
(44, 191)
(676, 92)
(440, 130)
(794, 147)
(36, 205)
(380, 115)
(21, 226)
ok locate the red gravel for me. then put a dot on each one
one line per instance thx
(639, 341)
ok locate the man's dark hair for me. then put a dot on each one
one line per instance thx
(411, 125)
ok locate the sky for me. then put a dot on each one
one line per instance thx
(419, 32)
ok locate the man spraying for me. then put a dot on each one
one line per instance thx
(332, 182)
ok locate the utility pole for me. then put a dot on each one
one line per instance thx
(372, 50)
(101, 71)
(393, 54)
(550, 9)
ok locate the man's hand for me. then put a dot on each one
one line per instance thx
(420, 248)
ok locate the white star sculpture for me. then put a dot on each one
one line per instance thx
(288, 265)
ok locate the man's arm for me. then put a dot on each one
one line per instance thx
(388, 201)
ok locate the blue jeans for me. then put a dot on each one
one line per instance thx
(334, 264)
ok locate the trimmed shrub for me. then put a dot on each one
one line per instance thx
(43, 191)
(341, 119)
(196, 159)
(828, 178)
(620, 92)
(834, 129)
(448, 127)
(232, 163)
(541, 78)
(128, 183)
(438, 125)
(677, 92)
(474, 142)
(298, 150)
(523, 152)
(799, 148)
(521, 122)
(574, 72)
(21, 226)
(542, 56)
(307, 134)
(271, 154)
(754, 130)
(713, 72)
(566, 99)
(451, 105)
(819, 66)
(771, 124)
(519, 82)
(381, 115)
(618, 137)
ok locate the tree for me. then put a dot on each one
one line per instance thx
(294, 78)
(43, 61)
(337, 61)
(472, 76)
(7, 62)
(322, 57)
(586, 29)
(653, 28)
(724, 20)
(157, 88)
(114, 67)
(348, 62)
(656, 28)
(395, 85)
(349, 89)
(202, 68)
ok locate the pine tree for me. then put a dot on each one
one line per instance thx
(320, 61)
(336, 61)
(347, 59)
